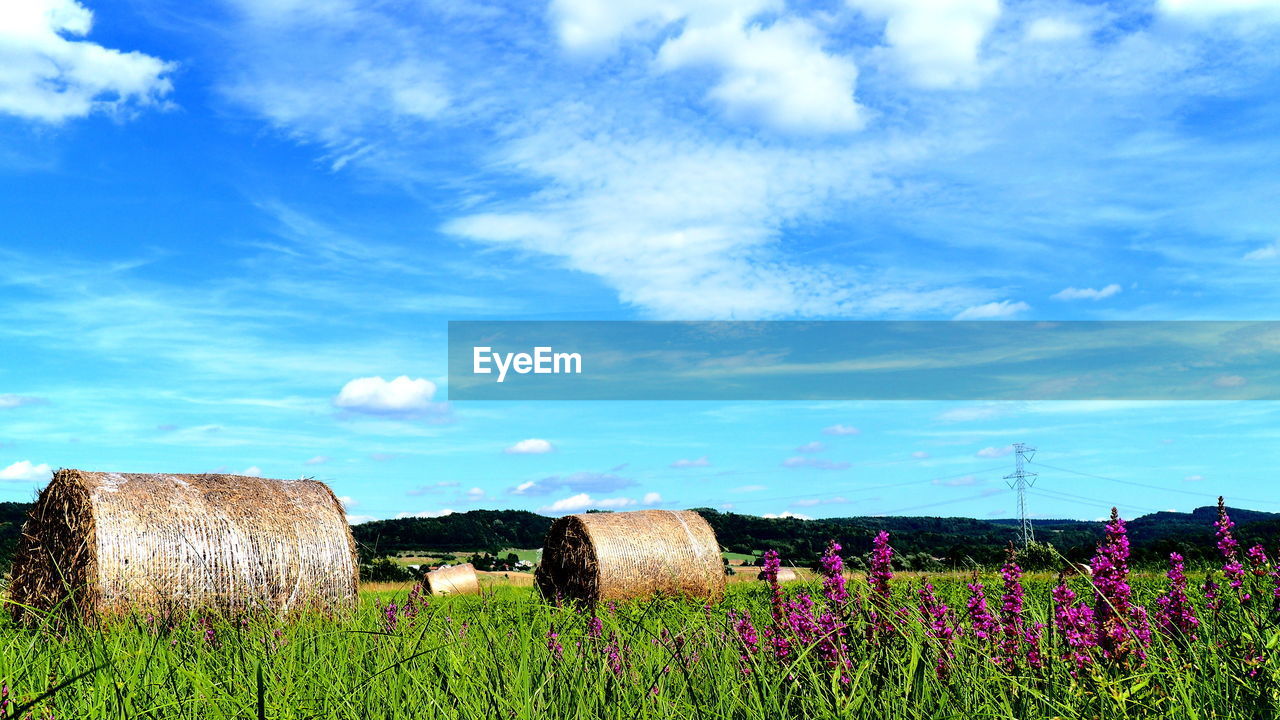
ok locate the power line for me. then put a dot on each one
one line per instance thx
(1020, 480)
(1153, 487)
(866, 488)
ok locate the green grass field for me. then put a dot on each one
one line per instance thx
(508, 654)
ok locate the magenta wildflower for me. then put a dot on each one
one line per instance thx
(1117, 619)
(613, 655)
(1212, 599)
(4, 701)
(391, 616)
(553, 644)
(879, 577)
(936, 618)
(1075, 623)
(1011, 605)
(748, 636)
(982, 624)
(1227, 545)
(595, 628)
(1174, 614)
(831, 565)
(773, 563)
(210, 634)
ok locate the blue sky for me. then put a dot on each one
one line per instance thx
(228, 231)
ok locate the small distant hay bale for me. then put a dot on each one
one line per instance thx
(113, 543)
(453, 580)
(597, 557)
(785, 574)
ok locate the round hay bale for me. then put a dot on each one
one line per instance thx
(113, 543)
(616, 556)
(453, 580)
(785, 574)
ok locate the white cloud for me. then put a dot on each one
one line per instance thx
(252, 471)
(531, 446)
(348, 502)
(1229, 381)
(652, 498)
(48, 76)
(317, 460)
(375, 396)
(475, 494)
(25, 470)
(1193, 478)
(786, 514)
(696, 463)
(426, 513)
(9, 401)
(811, 447)
(919, 455)
(583, 501)
(1072, 293)
(811, 462)
(937, 41)
(1054, 29)
(995, 452)
(1264, 253)
(993, 310)
(777, 72)
(841, 430)
(1211, 8)
(523, 487)
(749, 488)
(358, 519)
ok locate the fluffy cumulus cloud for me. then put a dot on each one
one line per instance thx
(937, 42)
(530, 446)
(694, 463)
(50, 73)
(348, 502)
(584, 501)
(252, 471)
(25, 470)
(358, 519)
(998, 310)
(786, 514)
(811, 447)
(399, 397)
(1073, 293)
(773, 71)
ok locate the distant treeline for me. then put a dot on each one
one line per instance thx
(926, 541)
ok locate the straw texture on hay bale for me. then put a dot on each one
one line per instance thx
(785, 574)
(615, 556)
(110, 543)
(453, 580)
